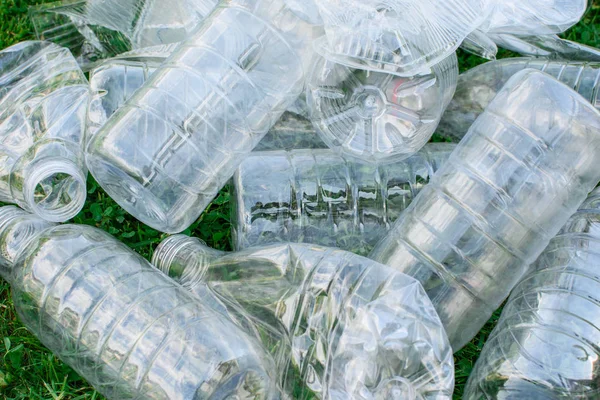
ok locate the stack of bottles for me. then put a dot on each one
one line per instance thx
(364, 256)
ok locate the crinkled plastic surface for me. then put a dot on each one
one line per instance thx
(98, 29)
(534, 17)
(525, 166)
(319, 197)
(404, 37)
(173, 145)
(545, 344)
(548, 46)
(124, 326)
(44, 98)
(376, 116)
(478, 86)
(346, 326)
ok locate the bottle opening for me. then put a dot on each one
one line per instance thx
(56, 191)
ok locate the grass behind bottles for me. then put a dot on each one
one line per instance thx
(30, 371)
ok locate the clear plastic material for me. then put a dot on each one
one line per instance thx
(43, 106)
(173, 145)
(525, 166)
(316, 196)
(549, 46)
(376, 116)
(127, 328)
(478, 86)
(534, 17)
(345, 326)
(404, 37)
(545, 345)
(99, 29)
(114, 81)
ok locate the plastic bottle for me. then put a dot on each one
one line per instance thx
(115, 80)
(478, 86)
(169, 150)
(350, 328)
(403, 37)
(43, 104)
(98, 29)
(546, 46)
(316, 196)
(525, 166)
(545, 344)
(128, 329)
(377, 116)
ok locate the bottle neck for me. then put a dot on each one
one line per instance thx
(17, 229)
(184, 259)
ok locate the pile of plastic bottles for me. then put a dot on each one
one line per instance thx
(364, 256)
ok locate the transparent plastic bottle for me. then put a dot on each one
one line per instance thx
(173, 145)
(316, 196)
(350, 328)
(124, 326)
(98, 29)
(114, 81)
(377, 116)
(404, 37)
(545, 345)
(44, 97)
(478, 86)
(525, 166)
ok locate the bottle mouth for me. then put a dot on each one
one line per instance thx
(165, 254)
(56, 190)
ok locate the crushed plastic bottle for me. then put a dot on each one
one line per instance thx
(98, 29)
(169, 150)
(375, 116)
(125, 327)
(403, 37)
(115, 80)
(44, 98)
(545, 344)
(478, 86)
(525, 166)
(316, 196)
(347, 327)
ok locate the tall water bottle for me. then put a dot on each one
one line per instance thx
(124, 326)
(478, 87)
(343, 325)
(319, 197)
(115, 80)
(545, 345)
(44, 98)
(168, 151)
(525, 166)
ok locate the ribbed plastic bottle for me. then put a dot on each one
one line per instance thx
(545, 345)
(547, 46)
(319, 197)
(349, 328)
(168, 151)
(478, 87)
(378, 117)
(114, 81)
(124, 326)
(44, 98)
(523, 169)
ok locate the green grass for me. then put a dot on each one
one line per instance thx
(29, 371)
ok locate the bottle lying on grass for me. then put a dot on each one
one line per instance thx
(342, 325)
